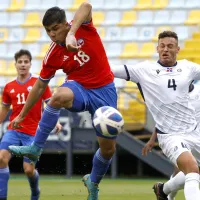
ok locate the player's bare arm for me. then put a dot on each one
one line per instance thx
(150, 144)
(3, 112)
(34, 95)
(83, 14)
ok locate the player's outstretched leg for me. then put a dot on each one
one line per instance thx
(158, 190)
(46, 125)
(32, 152)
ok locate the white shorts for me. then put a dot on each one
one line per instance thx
(173, 145)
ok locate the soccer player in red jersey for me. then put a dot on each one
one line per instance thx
(77, 49)
(15, 94)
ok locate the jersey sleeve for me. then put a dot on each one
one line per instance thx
(47, 72)
(136, 71)
(48, 65)
(120, 71)
(195, 71)
(47, 94)
(88, 25)
(6, 100)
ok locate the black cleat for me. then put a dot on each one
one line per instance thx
(158, 190)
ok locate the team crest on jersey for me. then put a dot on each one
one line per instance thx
(169, 69)
(80, 42)
(29, 88)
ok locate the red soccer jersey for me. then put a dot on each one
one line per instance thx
(89, 66)
(15, 94)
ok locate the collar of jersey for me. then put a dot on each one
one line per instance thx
(62, 45)
(164, 65)
(24, 81)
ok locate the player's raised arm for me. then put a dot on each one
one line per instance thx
(83, 14)
(34, 95)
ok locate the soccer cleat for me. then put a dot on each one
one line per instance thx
(93, 188)
(158, 190)
(32, 152)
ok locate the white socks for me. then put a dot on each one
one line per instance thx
(174, 184)
(191, 189)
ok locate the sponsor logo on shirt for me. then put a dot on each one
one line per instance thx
(12, 91)
(179, 70)
(158, 71)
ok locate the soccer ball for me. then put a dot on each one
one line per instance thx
(108, 121)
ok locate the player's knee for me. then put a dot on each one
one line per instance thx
(3, 160)
(108, 152)
(188, 164)
(61, 99)
(29, 171)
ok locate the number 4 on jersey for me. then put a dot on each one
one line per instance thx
(173, 85)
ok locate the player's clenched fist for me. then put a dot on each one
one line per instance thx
(71, 43)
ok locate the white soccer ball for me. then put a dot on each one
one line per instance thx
(108, 121)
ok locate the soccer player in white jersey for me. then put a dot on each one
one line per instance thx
(180, 179)
(164, 85)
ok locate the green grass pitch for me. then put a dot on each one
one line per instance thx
(59, 188)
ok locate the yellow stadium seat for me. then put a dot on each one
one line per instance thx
(147, 50)
(128, 18)
(189, 53)
(159, 4)
(193, 18)
(76, 4)
(3, 34)
(15, 5)
(101, 31)
(3, 67)
(11, 70)
(98, 18)
(43, 51)
(196, 35)
(192, 44)
(32, 35)
(143, 5)
(160, 30)
(197, 60)
(130, 50)
(32, 19)
(131, 87)
(121, 101)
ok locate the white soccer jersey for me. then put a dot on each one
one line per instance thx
(195, 101)
(165, 91)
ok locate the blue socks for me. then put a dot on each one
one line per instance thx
(46, 125)
(100, 167)
(33, 181)
(4, 177)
